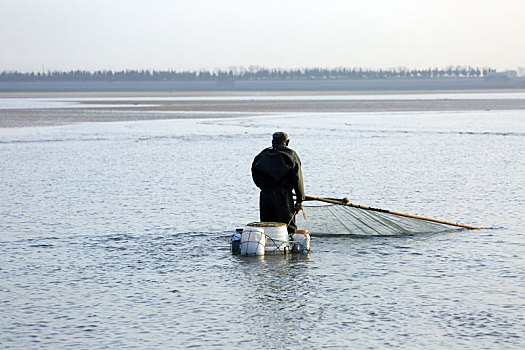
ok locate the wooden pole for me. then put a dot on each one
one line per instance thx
(346, 203)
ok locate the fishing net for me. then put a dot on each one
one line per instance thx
(341, 219)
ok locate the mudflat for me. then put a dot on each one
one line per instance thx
(111, 107)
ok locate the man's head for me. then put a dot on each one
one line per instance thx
(280, 138)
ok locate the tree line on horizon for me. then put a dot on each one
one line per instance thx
(240, 73)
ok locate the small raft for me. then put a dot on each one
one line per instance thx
(261, 238)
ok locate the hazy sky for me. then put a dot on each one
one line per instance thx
(205, 34)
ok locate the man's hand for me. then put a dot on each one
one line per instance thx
(298, 207)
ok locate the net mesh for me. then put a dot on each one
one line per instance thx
(339, 219)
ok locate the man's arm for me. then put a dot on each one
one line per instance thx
(298, 185)
(255, 174)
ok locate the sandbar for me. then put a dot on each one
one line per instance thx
(150, 106)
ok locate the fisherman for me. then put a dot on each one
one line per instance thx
(277, 172)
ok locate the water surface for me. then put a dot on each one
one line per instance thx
(116, 234)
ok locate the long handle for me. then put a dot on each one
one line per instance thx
(343, 202)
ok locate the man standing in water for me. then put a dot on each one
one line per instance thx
(277, 171)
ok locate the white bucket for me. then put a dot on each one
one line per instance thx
(253, 241)
(301, 242)
(276, 235)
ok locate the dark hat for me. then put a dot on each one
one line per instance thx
(280, 136)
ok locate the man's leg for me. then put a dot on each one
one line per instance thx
(266, 206)
(276, 205)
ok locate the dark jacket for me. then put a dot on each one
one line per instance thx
(278, 166)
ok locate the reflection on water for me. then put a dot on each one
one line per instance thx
(275, 292)
(117, 235)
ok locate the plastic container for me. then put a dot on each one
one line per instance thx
(236, 242)
(253, 241)
(301, 241)
(276, 236)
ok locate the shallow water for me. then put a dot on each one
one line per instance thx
(117, 235)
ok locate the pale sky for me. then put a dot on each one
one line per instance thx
(205, 34)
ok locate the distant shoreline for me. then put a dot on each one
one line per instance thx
(412, 84)
(107, 107)
(237, 93)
